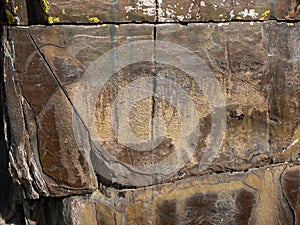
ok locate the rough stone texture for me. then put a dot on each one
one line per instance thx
(18, 12)
(27, 115)
(42, 97)
(3, 18)
(15, 12)
(77, 11)
(10, 196)
(229, 198)
(55, 108)
(284, 109)
(260, 85)
(290, 183)
(286, 9)
(198, 10)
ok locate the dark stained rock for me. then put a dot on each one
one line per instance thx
(11, 210)
(284, 94)
(219, 208)
(238, 198)
(32, 104)
(3, 18)
(291, 189)
(15, 12)
(286, 9)
(233, 206)
(45, 211)
(166, 213)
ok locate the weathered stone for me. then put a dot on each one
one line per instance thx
(241, 198)
(247, 79)
(98, 43)
(284, 96)
(11, 211)
(291, 188)
(36, 141)
(40, 211)
(3, 18)
(47, 90)
(228, 198)
(79, 210)
(74, 140)
(227, 10)
(286, 9)
(107, 214)
(210, 127)
(16, 12)
(77, 11)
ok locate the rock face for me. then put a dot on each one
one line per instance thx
(125, 118)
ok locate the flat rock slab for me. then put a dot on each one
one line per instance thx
(77, 11)
(198, 10)
(123, 11)
(161, 11)
(109, 101)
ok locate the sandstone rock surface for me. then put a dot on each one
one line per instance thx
(150, 112)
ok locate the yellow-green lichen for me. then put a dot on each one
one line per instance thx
(94, 19)
(16, 9)
(290, 24)
(10, 17)
(53, 19)
(239, 18)
(45, 5)
(266, 13)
